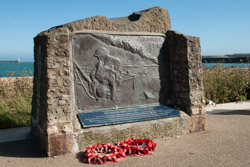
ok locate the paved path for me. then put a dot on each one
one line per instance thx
(225, 143)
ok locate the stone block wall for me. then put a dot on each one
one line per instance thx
(54, 120)
(51, 106)
(186, 72)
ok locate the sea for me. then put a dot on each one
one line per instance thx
(26, 68)
(16, 69)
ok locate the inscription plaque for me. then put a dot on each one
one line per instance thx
(99, 118)
(117, 70)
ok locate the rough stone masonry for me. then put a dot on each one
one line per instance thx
(54, 113)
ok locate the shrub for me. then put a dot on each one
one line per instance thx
(225, 84)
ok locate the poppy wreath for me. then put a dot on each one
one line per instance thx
(103, 154)
(108, 153)
(137, 147)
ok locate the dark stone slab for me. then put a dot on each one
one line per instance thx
(109, 117)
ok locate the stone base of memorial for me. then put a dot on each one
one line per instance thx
(101, 80)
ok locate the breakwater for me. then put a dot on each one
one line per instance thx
(10, 61)
(245, 58)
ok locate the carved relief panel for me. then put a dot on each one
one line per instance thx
(117, 70)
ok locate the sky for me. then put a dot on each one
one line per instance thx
(222, 25)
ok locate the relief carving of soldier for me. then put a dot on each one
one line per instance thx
(103, 80)
(107, 75)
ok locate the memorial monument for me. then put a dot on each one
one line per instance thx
(101, 80)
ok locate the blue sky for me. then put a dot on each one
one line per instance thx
(222, 25)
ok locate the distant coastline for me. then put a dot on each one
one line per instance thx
(11, 61)
(234, 58)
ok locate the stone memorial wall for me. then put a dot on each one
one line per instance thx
(104, 80)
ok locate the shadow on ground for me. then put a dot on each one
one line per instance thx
(79, 156)
(229, 112)
(24, 148)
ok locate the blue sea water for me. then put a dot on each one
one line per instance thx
(26, 68)
(233, 65)
(16, 69)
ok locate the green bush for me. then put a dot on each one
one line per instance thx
(225, 84)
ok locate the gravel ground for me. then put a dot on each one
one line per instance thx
(225, 143)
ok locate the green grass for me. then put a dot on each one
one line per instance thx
(15, 102)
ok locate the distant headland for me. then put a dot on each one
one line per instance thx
(11, 61)
(233, 58)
